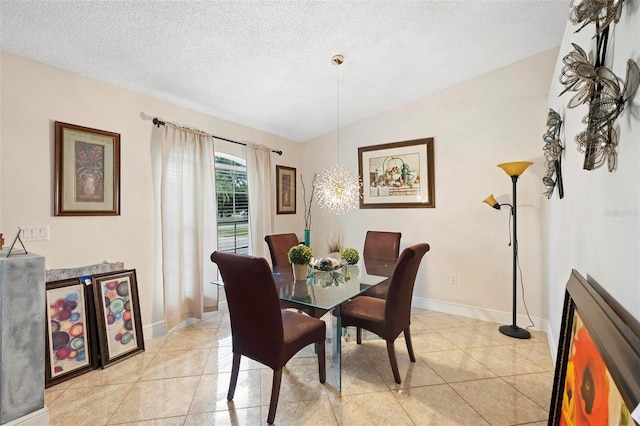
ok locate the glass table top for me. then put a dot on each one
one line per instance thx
(327, 289)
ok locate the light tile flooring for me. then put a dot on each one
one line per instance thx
(466, 373)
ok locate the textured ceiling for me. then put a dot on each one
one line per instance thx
(267, 64)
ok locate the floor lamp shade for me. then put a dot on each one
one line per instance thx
(513, 169)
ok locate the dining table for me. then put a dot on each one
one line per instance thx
(322, 293)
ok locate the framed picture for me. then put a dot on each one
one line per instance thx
(285, 190)
(598, 361)
(117, 316)
(398, 174)
(70, 341)
(87, 171)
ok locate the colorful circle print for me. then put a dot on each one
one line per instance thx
(67, 331)
(118, 311)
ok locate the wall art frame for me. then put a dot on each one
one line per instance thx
(397, 175)
(598, 358)
(117, 316)
(87, 171)
(71, 343)
(285, 190)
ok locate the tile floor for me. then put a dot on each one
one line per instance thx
(466, 373)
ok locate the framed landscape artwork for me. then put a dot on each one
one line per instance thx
(598, 360)
(70, 342)
(118, 316)
(87, 171)
(285, 190)
(397, 175)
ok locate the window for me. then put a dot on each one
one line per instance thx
(233, 204)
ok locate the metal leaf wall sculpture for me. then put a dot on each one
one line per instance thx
(596, 85)
(600, 12)
(553, 155)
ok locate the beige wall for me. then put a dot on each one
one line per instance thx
(495, 118)
(33, 97)
(595, 229)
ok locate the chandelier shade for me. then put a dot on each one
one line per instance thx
(338, 190)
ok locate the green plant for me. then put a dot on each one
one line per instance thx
(300, 254)
(350, 255)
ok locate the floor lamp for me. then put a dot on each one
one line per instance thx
(514, 169)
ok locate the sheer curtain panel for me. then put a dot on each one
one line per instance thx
(259, 181)
(188, 222)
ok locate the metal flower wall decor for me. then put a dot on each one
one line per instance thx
(596, 85)
(553, 155)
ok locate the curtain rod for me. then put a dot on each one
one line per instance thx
(159, 123)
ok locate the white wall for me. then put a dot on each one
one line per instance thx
(595, 228)
(498, 117)
(33, 97)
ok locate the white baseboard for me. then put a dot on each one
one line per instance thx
(553, 344)
(37, 418)
(478, 313)
(157, 329)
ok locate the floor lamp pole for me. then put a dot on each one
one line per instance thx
(513, 330)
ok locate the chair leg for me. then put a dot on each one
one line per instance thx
(407, 339)
(235, 368)
(394, 362)
(358, 335)
(322, 365)
(275, 394)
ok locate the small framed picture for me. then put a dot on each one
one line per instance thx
(87, 171)
(285, 190)
(117, 316)
(397, 175)
(70, 341)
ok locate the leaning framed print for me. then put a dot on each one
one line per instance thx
(70, 340)
(598, 361)
(285, 190)
(117, 316)
(87, 171)
(397, 175)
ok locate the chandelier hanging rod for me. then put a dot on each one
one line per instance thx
(159, 123)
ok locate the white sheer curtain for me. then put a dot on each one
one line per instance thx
(259, 182)
(188, 207)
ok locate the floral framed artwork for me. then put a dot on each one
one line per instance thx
(598, 360)
(117, 316)
(397, 175)
(285, 190)
(70, 340)
(87, 171)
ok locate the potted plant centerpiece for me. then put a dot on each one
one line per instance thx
(300, 256)
(351, 256)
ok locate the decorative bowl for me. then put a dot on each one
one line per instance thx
(327, 264)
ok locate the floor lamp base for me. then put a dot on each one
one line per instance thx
(514, 331)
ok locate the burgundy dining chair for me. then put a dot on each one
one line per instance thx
(279, 245)
(391, 316)
(260, 330)
(380, 246)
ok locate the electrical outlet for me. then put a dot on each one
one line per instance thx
(453, 279)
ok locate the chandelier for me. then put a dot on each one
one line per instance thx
(338, 189)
